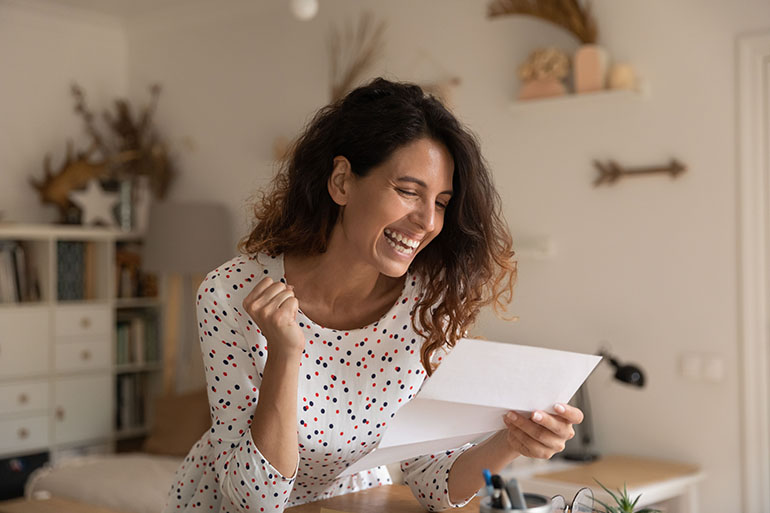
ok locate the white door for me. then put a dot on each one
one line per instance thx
(753, 144)
(82, 408)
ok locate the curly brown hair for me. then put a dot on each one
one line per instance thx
(467, 266)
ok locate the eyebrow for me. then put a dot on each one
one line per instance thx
(419, 182)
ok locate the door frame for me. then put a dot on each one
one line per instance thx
(753, 147)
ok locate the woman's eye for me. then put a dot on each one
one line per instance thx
(440, 205)
(407, 193)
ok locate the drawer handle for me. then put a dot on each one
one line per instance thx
(23, 398)
(59, 413)
(85, 355)
(85, 322)
(23, 433)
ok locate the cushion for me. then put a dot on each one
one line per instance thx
(180, 421)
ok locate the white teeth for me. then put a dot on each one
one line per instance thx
(401, 238)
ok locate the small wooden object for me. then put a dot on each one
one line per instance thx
(611, 171)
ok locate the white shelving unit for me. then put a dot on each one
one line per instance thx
(59, 373)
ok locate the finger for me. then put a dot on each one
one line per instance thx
(279, 300)
(269, 294)
(526, 445)
(257, 291)
(537, 432)
(554, 423)
(569, 413)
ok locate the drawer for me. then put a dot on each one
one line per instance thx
(86, 355)
(24, 335)
(21, 434)
(81, 321)
(24, 397)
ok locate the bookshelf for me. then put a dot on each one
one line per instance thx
(80, 355)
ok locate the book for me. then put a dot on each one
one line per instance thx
(70, 267)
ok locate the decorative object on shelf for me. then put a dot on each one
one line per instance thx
(304, 9)
(611, 172)
(132, 147)
(622, 76)
(543, 73)
(590, 61)
(572, 15)
(129, 148)
(75, 173)
(96, 204)
(590, 65)
(629, 374)
(623, 503)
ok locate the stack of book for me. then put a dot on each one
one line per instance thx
(130, 396)
(19, 280)
(137, 340)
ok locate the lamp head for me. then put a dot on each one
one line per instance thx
(625, 373)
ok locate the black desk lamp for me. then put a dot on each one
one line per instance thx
(629, 374)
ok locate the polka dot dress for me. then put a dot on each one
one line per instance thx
(351, 383)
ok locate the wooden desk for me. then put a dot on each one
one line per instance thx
(383, 499)
(671, 483)
(52, 505)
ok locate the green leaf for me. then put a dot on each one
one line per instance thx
(608, 491)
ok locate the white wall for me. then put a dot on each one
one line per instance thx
(43, 50)
(648, 265)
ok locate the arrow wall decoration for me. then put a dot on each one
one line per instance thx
(610, 172)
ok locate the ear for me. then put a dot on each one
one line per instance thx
(339, 180)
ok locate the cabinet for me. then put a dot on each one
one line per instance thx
(80, 356)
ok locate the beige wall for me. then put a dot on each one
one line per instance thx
(648, 265)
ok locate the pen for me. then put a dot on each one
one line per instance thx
(500, 499)
(488, 481)
(514, 492)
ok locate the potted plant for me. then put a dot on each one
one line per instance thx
(623, 503)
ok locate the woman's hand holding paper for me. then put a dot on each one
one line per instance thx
(541, 434)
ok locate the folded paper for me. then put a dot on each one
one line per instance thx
(467, 396)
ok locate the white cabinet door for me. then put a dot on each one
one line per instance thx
(82, 408)
(24, 335)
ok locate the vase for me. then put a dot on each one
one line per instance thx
(590, 68)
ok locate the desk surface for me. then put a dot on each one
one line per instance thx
(383, 499)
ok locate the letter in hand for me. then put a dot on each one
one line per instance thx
(273, 307)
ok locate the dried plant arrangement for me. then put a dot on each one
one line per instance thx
(353, 50)
(133, 148)
(129, 148)
(572, 15)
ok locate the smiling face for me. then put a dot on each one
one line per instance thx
(392, 213)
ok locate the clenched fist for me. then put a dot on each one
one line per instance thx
(273, 307)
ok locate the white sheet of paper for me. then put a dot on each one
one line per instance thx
(467, 396)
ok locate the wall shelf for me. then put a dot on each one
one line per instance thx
(606, 96)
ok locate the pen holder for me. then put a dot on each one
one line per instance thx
(535, 504)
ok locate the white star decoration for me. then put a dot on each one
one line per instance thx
(96, 204)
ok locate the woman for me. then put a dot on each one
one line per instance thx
(373, 253)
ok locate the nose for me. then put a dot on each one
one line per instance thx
(425, 216)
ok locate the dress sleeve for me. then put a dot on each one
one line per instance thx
(428, 477)
(233, 365)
